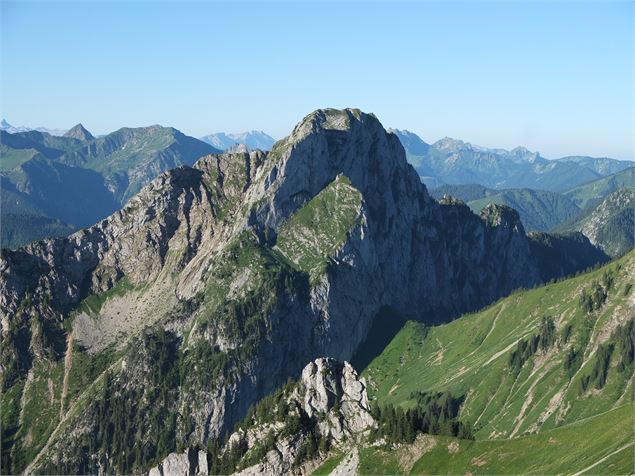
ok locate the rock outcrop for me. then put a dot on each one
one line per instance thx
(325, 383)
(79, 132)
(190, 463)
(611, 223)
(332, 402)
(227, 259)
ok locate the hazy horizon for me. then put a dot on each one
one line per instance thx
(101, 134)
(556, 78)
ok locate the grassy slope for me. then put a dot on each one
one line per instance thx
(513, 429)
(568, 449)
(329, 465)
(11, 158)
(551, 452)
(589, 194)
(38, 410)
(315, 232)
(470, 357)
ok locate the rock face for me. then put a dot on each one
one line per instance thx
(332, 401)
(79, 132)
(325, 382)
(251, 265)
(189, 463)
(610, 224)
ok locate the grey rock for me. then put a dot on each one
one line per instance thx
(189, 463)
(331, 394)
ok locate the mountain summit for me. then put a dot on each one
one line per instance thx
(79, 132)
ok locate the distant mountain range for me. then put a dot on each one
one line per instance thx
(454, 162)
(252, 139)
(76, 179)
(539, 210)
(5, 126)
(591, 208)
(72, 179)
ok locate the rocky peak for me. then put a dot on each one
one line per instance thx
(326, 382)
(448, 199)
(79, 132)
(239, 148)
(449, 144)
(501, 216)
(331, 401)
(524, 154)
(330, 142)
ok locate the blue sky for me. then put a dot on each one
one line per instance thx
(555, 77)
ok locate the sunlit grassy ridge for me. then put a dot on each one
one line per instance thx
(315, 232)
(602, 444)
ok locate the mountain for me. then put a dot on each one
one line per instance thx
(416, 149)
(252, 139)
(130, 157)
(78, 179)
(5, 126)
(455, 162)
(610, 224)
(219, 140)
(591, 193)
(539, 210)
(602, 165)
(20, 147)
(412, 143)
(79, 132)
(158, 327)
